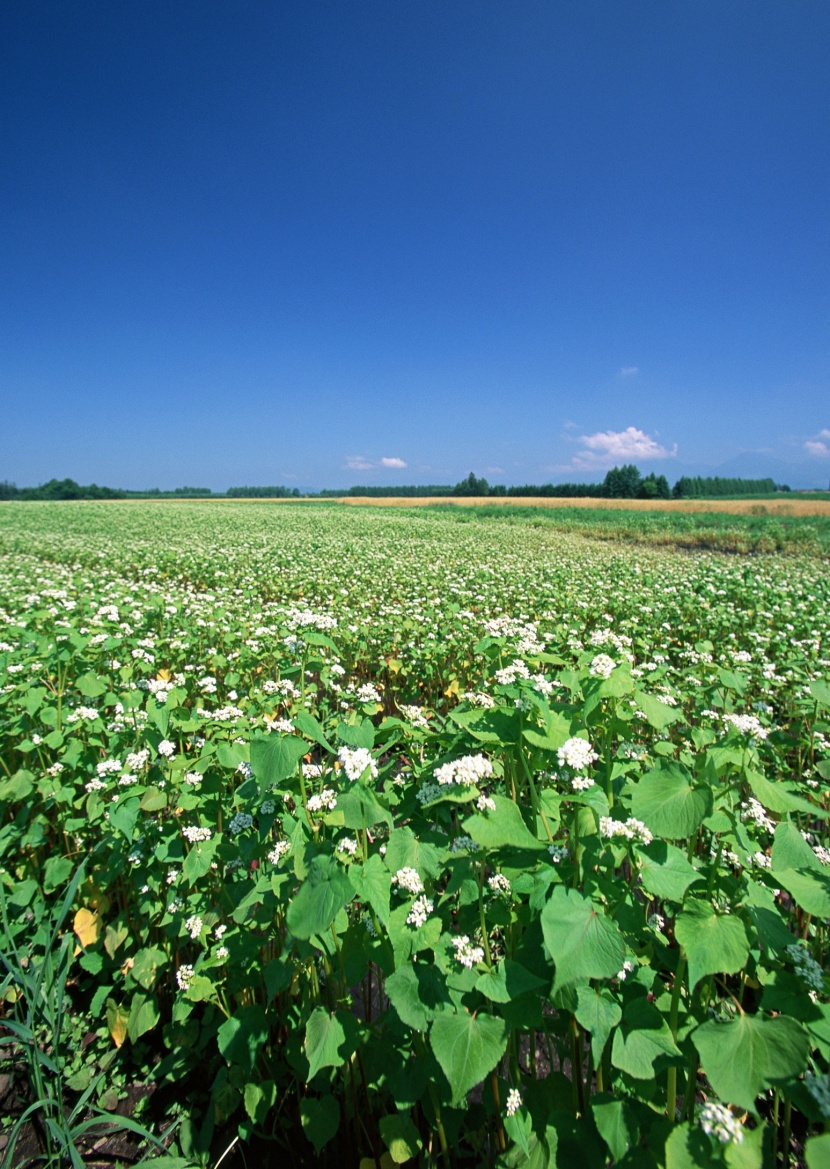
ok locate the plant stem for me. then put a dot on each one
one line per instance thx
(671, 1074)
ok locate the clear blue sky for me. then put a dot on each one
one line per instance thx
(282, 241)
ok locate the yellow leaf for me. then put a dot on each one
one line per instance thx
(86, 926)
(117, 1019)
(163, 676)
(394, 665)
(453, 689)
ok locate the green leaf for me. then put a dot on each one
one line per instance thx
(507, 981)
(616, 1124)
(665, 871)
(817, 1151)
(275, 757)
(230, 755)
(766, 917)
(503, 828)
(329, 1039)
(153, 800)
(144, 1014)
(357, 735)
(416, 992)
(146, 966)
(259, 1099)
(308, 725)
(666, 802)
(320, 898)
(467, 1048)
(400, 1137)
(241, 1037)
(198, 860)
(642, 1038)
(598, 1012)
(372, 883)
(791, 851)
(582, 942)
(715, 943)
(811, 890)
(658, 714)
(56, 872)
(688, 1147)
(821, 692)
(361, 808)
(123, 816)
(745, 1056)
(404, 850)
(777, 797)
(91, 685)
(320, 1119)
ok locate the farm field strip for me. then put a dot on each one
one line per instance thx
(385, 837)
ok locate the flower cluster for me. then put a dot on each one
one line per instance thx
(631, 829)
(577, 754)
(421, 909)
(408, 880)
(466, 953)
(465, 772)
(356, 761)
(716, 1120)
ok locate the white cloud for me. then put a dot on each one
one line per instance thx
(494, 470)
(357, 463)
(609, 447)
(392, 461)
(817, 446)
(629, 370)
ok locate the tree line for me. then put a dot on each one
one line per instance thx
(624, 482)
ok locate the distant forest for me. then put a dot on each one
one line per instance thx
(620, 483)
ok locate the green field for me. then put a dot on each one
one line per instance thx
(379, 836)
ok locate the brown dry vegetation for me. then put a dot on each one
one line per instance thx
(771, 507)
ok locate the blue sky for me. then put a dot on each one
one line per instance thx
(319, 244)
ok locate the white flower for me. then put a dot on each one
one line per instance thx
(485, 804)
(581, 783)
(514, 1102)
(627, 967)
(466, 953)
(324, 802)
(222, 953)
(499, 884)
(278, 851)
(631, 829)
(193, 925)
(602, 666)
(184, 977)
(241, 822)
(577, 754)
(716, 1120)
(421, 909)
(558, 853)
(195, 835)
(408, 879)
(166, 748)
(193, 778)
(356, 761)
(312, 770)
(747, 724)
(465, 772)
(347, 845)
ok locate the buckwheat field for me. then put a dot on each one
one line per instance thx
(375, 837)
